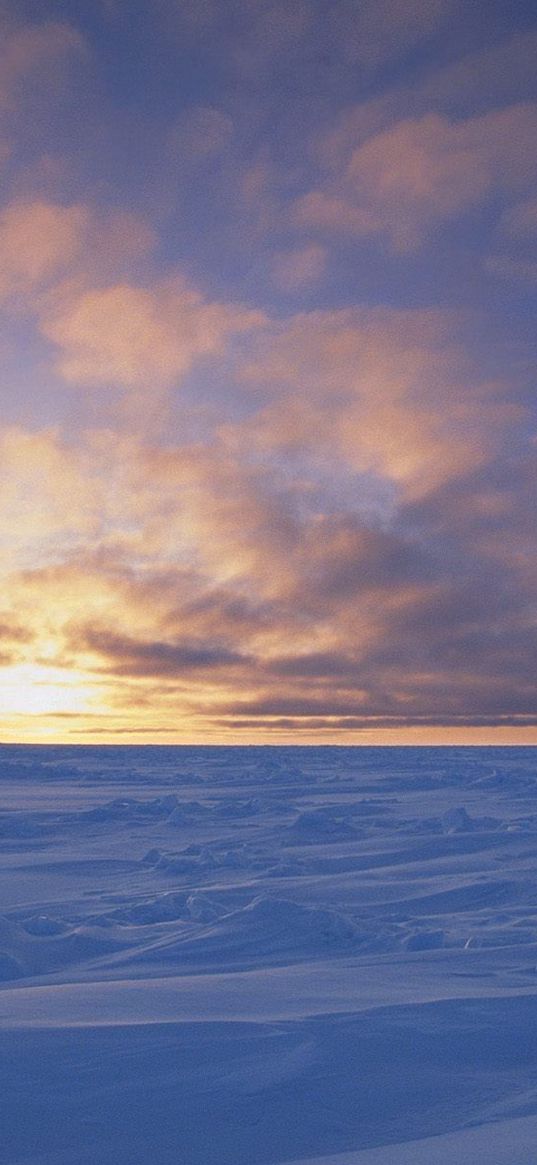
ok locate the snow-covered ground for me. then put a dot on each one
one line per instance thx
(258, 956)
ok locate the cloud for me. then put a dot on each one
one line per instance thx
(135, 337)
(484, 80)
(47, 502)
(231, 517)
(486, 77)
(428, 621)
(368, 725)
(36, 61)
(330, 526)
(344, 559)
(427, 170)
(45, 243)
(132, 657)
(261, 37)
(505, 267)
(299, 267)
(520, 220)
(374, 33)
(514, 250)
(61, 263)
(14, 640)
(200, 133)
(38, 241)
(33, 51)
(392, 393)
(245, 573)
(330, 212)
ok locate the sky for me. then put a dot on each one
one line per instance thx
(268, 278)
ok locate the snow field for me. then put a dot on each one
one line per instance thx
(268, 956)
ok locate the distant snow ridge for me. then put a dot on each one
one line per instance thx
(202, 859)
(128, 809)
(170, 907)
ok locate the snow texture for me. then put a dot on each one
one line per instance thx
(268, 956)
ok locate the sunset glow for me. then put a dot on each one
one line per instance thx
(267, 348)
(29, 690)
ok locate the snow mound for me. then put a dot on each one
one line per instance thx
(185, 812)
(198, 860)
(10, 968)
(43, 925)
(266, 931)
(290, 920)
(315, 825)
(165, 908)
(457, 820)
(237, 808)
(41, 945)
(201, 908)
(18, 825)
(273, 927)
(424, 940)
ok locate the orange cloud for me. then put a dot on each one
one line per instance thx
(47, 501)
(207, 593)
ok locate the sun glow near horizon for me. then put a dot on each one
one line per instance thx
(34, 689)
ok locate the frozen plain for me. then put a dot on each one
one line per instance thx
(259, 956)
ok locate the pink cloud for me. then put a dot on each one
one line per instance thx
(520, 220)
(43, 243)
(36, 48)
(135, 337)
(199, 133)
(70, 266)
(392, 392)
(505, 267)
(381, 30)
(332, 213)
(38, 241)
(299, 267)
(426, 170)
